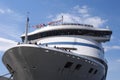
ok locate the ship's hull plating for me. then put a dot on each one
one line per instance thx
(38, 63)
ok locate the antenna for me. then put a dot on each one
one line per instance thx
(26, 30)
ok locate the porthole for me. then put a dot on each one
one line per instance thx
(90, 70)
(78, 66)
(68, 65)
(95, 72)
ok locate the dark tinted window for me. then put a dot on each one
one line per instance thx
(69, 32)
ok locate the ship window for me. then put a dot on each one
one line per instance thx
(69, 32)
(90, 71)
(68, 65)
(23, 38)
(78, 66)
(95, 71)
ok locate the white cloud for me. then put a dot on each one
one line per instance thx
(114, 66)
(11, 23)
(50, 16)
(6, 44)
(114, 47)
(82, 10)
(81, 15)
(96, 21)
(68, 17)
(7, 14)
(118, 60)
(9, 11)
(6, 11)
(2, 11)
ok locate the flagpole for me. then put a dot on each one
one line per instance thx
(26, 30)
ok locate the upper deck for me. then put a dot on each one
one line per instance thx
(71, 29)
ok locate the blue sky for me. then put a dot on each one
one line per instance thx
(100, 13)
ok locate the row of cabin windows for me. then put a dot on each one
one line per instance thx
(69, 32)
(78, 66)
(85, 25)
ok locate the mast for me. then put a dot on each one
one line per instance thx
(26, 30)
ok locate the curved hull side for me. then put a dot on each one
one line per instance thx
(36, 63)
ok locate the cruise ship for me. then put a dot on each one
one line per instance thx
(67, 51)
